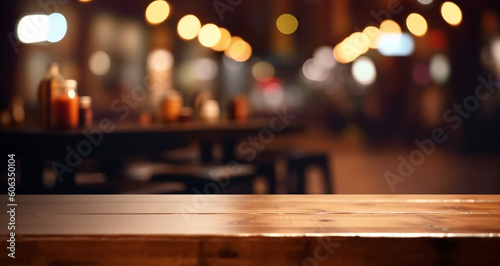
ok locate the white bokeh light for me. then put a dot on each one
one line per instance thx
(314, 71)
(41, 28)
(99, 63)
(425, 2)
(205, 69)
(440, 68)
(363, 70)
(274, 93)
(160, 60)
(324, 56)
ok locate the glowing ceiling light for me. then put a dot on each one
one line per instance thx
(188, 27)
(157, 12)
(389, 26)
(224, 42)
(287, 24)
(372, 33)
(358, 42)
(451, 13)
(209, 35)
(344, 53)
(416, 24)
(239, 50)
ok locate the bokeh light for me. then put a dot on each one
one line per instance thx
(314, 71)
(395, 44)
(287, 24)
(495, 50)
(99, 63)
(41, 28)
(239, 50)
(205, 69)
(344, 54)
(157, 12)
(451, 13)
(160, 60)
(263, 71)
(324, 56)
(224, 42)
(416, 24)
(425, 2)
(389, 26)
(188, 27)
(372, 33)
(363, 70)
(209, 35)
(440, 68)
(359, 42)
(274, 93)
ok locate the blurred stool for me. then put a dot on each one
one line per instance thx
(215, 179)
(297, 164)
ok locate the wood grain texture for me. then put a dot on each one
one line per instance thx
(256, 230)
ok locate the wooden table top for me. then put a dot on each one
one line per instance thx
(260, 215)
(255, 230)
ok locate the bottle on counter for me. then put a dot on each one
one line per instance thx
(172, 105)
(66, 106)
(85, 113)
(47, 93)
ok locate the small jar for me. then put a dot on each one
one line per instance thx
(85, 114)
(239, 108)
(172, 106)
(66, 106)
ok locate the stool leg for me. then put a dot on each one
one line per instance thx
(269, 172)
(327, 176)
(296, 177)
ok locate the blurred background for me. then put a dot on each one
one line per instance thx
(370, 79)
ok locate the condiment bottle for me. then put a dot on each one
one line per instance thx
(85, 113)
(47, 92)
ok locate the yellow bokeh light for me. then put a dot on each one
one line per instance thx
(389, 26)
(358, 42)
(157, 12)
(209, 35)
(263, 71)
(372, 33)
(287, 24)
(451, 13)
(239, 50)
(416, 24)
(224, 42)
(234, 39)
(188, 27)
(344, 53)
